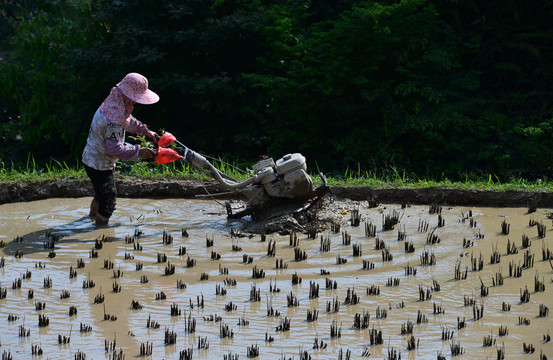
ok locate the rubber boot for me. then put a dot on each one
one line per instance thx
(93, 208)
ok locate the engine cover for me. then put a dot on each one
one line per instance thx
(289, 163)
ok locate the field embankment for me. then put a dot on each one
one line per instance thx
(187, 188)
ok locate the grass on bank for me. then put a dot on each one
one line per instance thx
(388, 178)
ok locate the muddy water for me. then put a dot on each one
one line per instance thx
(115, 320)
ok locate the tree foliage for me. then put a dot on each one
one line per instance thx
(442, 88)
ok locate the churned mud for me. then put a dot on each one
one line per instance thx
(170, 277)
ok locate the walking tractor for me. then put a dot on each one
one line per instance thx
(275, 188)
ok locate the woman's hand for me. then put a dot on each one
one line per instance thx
(151, 134)
(146, 153)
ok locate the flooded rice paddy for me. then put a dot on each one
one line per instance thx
(170, 279)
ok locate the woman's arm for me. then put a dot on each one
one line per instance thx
(136, 127)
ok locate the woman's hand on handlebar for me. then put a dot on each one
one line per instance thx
(146, 153)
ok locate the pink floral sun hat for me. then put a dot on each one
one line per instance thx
(135, 87)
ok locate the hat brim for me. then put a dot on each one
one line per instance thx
(146, 98)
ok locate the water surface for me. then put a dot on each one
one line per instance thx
(39, 221)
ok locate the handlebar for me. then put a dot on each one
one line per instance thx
(199, 162)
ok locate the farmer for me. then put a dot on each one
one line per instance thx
(105, 143)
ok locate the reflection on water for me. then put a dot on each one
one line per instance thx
(134, 286)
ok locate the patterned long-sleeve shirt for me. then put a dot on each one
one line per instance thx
(106, 139)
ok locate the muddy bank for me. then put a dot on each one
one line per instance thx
(447, 196)
(126, 187)
(140, 188)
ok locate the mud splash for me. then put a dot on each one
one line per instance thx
(226, 294)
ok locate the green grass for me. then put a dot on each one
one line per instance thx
(54, 170)
(378, 179)
(392, 178)
(31, 172)
(379, 183)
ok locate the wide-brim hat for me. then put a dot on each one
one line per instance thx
(135, 87)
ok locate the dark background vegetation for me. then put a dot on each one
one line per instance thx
(440, 88)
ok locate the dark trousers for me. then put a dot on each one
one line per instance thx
(105, 192)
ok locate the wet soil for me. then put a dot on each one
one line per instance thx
(190, 188)
(32, 215)
(461, 294)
